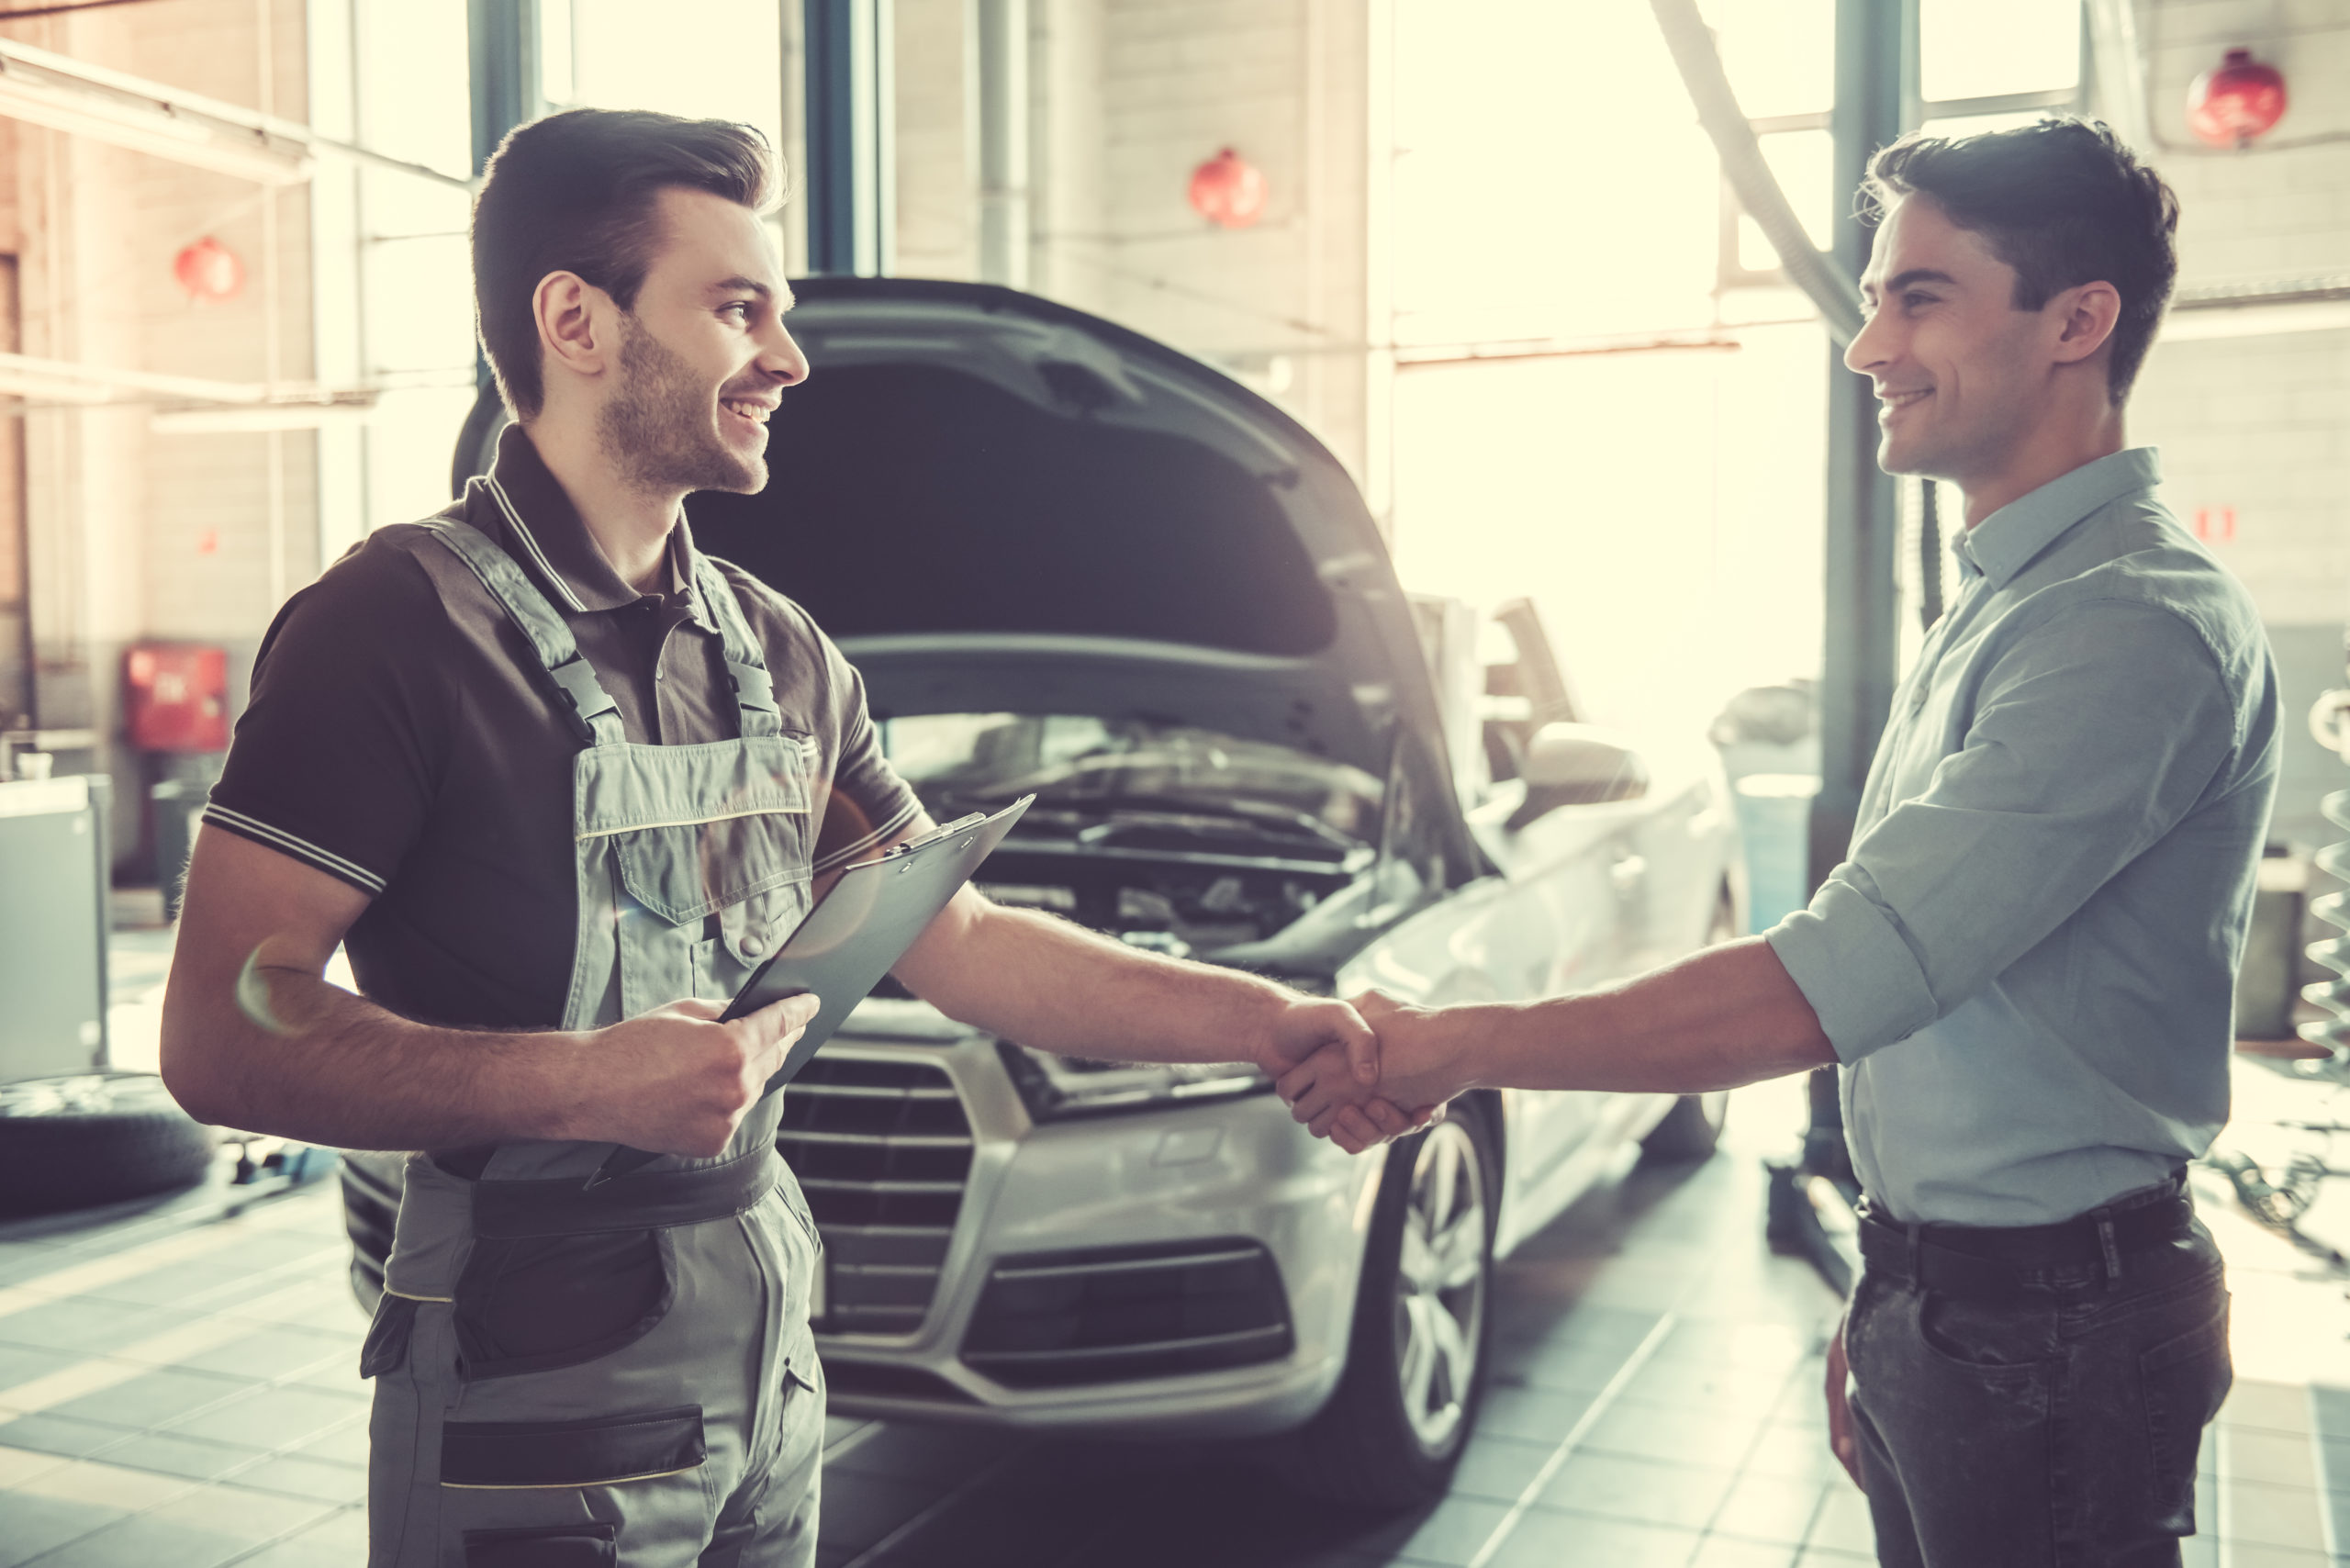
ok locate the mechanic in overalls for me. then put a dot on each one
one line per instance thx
(557, 782)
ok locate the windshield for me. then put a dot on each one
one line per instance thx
(957, 762)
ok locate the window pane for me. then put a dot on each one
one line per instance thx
(555, 51)
(1981, 49)
(1780, 55)
(1526, 210)
(706, 59)
(1803, 162)
(1975, 125)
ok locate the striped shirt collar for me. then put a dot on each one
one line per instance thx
(520, 504)
(2009, 539)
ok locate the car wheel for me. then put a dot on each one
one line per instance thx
(1416, 1367)
(1691, 1130)
(72, 1143)
(371, 1207)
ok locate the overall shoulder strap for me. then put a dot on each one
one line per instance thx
(594, 718)
(746, 663)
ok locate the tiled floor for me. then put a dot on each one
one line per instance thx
(178, 1390)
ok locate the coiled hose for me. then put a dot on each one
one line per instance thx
(2333, 1031)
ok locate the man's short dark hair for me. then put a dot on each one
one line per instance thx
(577, 192)
(2064, 203)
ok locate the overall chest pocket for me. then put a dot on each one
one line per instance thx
(708, 851)
(748, 872)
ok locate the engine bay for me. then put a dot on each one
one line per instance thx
(1165, 903)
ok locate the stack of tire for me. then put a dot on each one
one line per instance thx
(101, 1138)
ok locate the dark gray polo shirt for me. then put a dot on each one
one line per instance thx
(401, 738)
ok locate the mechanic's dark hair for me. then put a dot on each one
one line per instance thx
(2063, 202)
(576, 192)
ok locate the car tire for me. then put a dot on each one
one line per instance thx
(1691, 1130)
(371, 1208)
(1392, 1433)
(74, 1143)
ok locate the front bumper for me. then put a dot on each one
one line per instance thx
(1167, 1227)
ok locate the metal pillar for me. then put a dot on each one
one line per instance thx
(851, 99)
(1860, 659)
(999, 34)
(502, 39)
(1858, 663)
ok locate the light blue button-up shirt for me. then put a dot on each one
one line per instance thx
(2027, 966)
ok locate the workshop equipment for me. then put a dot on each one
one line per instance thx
(53, 926)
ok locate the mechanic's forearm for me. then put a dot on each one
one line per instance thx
(1727, 1016)
(283, 1052)
(1054, 985)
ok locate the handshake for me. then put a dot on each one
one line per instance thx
(1360, 1073)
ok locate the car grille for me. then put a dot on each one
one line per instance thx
(1110, 1315)
(882, 1149)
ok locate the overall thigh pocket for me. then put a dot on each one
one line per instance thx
(2184, 1378)
(562, 1546)
(603, 1450)
(537, 1303)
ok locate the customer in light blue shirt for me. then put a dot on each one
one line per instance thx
(2025, 966)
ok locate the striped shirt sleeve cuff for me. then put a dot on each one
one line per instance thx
(300, 848)
(1853, 965)
(879, 835)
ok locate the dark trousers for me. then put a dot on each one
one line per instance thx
(2054, 1424)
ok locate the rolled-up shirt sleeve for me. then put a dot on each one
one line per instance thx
(869, 805)
(2092, 736)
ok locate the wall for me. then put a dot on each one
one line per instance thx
(134, 536)
(2259, 423)
(1127, 96)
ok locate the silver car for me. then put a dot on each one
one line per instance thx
(1068, 560)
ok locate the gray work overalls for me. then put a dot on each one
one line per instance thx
(591, 1357)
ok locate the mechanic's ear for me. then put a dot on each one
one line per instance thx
(572, 333)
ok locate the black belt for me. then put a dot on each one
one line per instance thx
(642, 1200)
(1978, 1260)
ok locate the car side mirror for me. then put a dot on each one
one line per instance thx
(1577, 765)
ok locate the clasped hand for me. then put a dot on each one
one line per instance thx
(1423, 1062)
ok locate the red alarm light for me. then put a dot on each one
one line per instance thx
(1229, 191)
(208, 271)
(2238, 102)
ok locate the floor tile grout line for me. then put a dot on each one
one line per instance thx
(277, 1540)
(1641, 1356)
(1739, 1473)
(937, 1506)
(196, 1485)
(851, 1441)
(167, 1223)
(228, 1326)
(176, 1247)
(263, 1457)
(2319, 1472)
(195, 1306)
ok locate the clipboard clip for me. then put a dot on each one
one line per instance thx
(947, 830)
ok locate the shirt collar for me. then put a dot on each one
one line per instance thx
(2005, 543)
(542, 530)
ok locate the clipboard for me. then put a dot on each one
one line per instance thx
(864, 924)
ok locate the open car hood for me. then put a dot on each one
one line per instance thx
(996, 503)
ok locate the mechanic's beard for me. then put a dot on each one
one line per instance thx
(659, 425)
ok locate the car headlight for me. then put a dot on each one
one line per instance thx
(1056, 1088)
